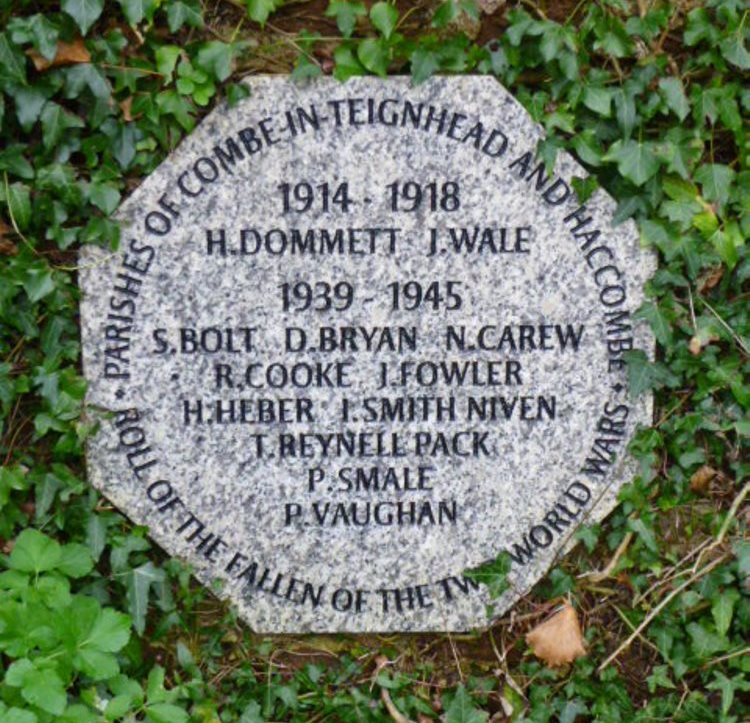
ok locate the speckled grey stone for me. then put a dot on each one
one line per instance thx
(513, 426)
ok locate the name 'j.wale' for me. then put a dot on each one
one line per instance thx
(481, 240)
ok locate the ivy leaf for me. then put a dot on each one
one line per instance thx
(55, 121)
(643, 374)
(658, 321)
(123, 144)
(136, 11)
(636, 161)
(645, 533)
(384, 17)
(215, 58)
(728, 242)
(44, 34)
(445, 14)
(373, 54)
(625, 109)
(139, 582)
(704, 642)
(305, 68)
(734, 51)
(38, 283)
(184, 12)
(96, 535)
(723, 608)
(166, 59)
(346, 14)
(12, 63)
(86, 75)
(347, 64)
(259, 10)
(674, 96)
(598, 100)
(424, 63)
(493, 574)
(84, 12)
(463, 710)
(716, 180)
(19, 204)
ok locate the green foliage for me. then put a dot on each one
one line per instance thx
(259, 10)
(653, 101)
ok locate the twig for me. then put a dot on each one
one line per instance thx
(630, 625)
(728, 656)
(673, 574)
(735, 506)
(692, 310)
(598, 576)
(390, 706)
(455, 657)
(647, 620)
(733, 333)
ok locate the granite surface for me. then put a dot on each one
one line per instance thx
(356, 341)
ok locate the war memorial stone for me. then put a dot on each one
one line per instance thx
(355, 341)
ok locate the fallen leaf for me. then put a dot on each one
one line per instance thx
(711, 279)
(695, 345)
(701, 478)
(67, 54)
(125, 107)
(7, 247)
(489, 6)
(558, 640)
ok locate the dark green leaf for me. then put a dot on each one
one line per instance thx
(636, 161)
(715, 178)
(734, 50)
(139, 582)
(373, 54)
(84, 12)
(384, 17)
(216, 58)
(136, 11)
(346, 14)
(463, 710)
(184, 12)
(29, 102)
(55, 121)
(493, 574)
(424, 63)
(12, 63)
(259, 10)
(44, 33)
(674, 96)
(19, 204)
(347, 64)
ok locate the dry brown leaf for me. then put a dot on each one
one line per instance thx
(695, 345)
(701, 478)
(490, 6)
(559, 640)
(713, 277)
(67, 54)
(125, 107)
(7, 247)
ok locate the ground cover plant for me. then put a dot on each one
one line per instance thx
(653, 97)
